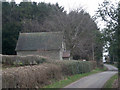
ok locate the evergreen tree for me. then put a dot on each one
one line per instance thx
(111, 16)
(118, 40)
(15, 18)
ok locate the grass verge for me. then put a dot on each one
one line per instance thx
(110, 82)
(70, 79)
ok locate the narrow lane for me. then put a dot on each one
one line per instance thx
(110, 67)
(95, 80)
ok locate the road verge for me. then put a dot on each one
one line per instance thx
(68, 80)
(109, 83)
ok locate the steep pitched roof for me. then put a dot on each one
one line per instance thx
(39, 41)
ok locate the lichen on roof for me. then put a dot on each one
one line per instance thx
(39, 41)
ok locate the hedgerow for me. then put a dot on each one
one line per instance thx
(17, 60)
(71, 67)
(30, 76)
(36, 76)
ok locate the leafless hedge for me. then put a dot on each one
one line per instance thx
(36, 76)
(17, 60)
(30, 76)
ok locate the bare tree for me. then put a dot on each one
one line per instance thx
(78, 30)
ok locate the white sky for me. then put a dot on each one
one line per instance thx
(89, 5)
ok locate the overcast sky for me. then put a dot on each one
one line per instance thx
(89, 5)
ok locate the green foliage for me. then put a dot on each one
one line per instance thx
(99, 42)
(41, 75)
(109, 83)
(70, 79)
(118, 41)
(74, 67)
(109, 14)
(13, 20)
(15, 60)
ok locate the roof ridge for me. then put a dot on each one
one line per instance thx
(40, 32)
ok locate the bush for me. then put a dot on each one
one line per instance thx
(30, 76)
(22, 60)
(71, 67)
(37, 76)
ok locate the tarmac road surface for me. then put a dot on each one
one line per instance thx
(110, 67)
(96, 80)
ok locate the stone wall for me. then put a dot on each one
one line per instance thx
(54, 54)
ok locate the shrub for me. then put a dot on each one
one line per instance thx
(37, 76)
(71, 67)
(22, 60)
(30, 76)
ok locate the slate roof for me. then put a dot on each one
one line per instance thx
(39, 41)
